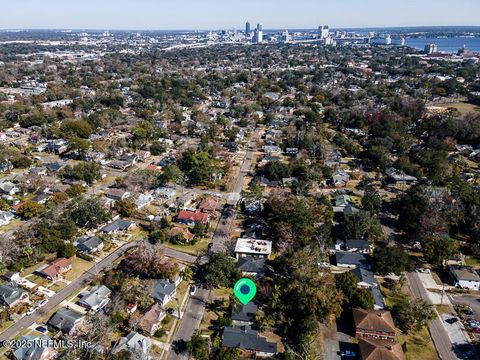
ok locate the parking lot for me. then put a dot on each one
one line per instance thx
(468, 300)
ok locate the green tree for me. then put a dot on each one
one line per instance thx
(76, 128)
(136, 291)
(198, 166)
(363, 224)
(66, 250)
(438, 249)
(85, 171)
(390, 259)
(157, 148)
(371, 201)
(221, 271)
(413, 315)
(126, 207)
(30, 209)
(90, 213)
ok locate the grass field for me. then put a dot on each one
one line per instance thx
(463, 108)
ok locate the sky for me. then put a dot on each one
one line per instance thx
(218, 14)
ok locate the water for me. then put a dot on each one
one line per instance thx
(450, 45)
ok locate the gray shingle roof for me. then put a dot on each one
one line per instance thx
(250, 264)
(88, 244)
(10, 294)
(247, 339)
(65, 320)
(245, 312)
(162, 289)
(95, 297)
(117, 225)
(350, 258)
(33, 352)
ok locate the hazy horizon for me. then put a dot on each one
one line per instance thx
(215, 14)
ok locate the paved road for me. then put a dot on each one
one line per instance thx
(190, 321)
(437, 330)
(80, 282)
(221, 236)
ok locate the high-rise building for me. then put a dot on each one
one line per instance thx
(258, 38)
(323, 31)
(388, 40)
(431, 48)
(248, 29)
(402, 41)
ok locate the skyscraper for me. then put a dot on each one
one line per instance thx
(258, 38)
(431, 48)
(248, 29)
(323, 32)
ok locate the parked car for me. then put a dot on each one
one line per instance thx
(42, 303)
(193, 290)
(451, 320)
(31, 311)
(475, 330)
(42, 329)
(348, 353)
(423, 270)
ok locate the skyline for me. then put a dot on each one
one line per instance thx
(214, 14)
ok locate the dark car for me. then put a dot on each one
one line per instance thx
(451, 320)
(41, 329)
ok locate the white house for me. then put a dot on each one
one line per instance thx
(253, 247)
(465, 277)
(5, 217)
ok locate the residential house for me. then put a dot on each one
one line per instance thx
(465, 277)
(250, 266)
(11, 295)
(66, 320)
(152, 319)
(252, 205)
(366, 280)
(164, 291)
(55, 270)
(117, 194)
(371, 349)
(119, 225)
(399, 177)
(95, 299)
(208, 205)
(288, 182)
(58, 146)
(179, 231)
(272, 149)
(5, 166)
(89, 244)
(6, 217)
(244, 315)
(35, 348)
(359, 246)
(9, 188)
(135, 343)
(291, 151)
(375, 324)
(190, 218)
(166, 193)
(41, 199)
(143, 200)
(253, 248)
(333, 158)
(37, 171)
(350, 259)
(342, 200)
(248, 341)
(340, 178)
(186, 200)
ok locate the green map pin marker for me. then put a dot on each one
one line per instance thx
(245, 290)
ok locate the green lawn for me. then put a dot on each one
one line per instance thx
(79, 266)
(200, 248)
(31, 269)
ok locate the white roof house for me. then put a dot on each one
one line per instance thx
(253, 247)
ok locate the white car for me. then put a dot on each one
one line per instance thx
(31, 311)
(423, 270)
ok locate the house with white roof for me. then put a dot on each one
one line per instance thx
(254, 248)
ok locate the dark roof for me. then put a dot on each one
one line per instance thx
(65, 320)
(247, 339)
(357, 244)
(88, 244)
(250, 264)
(117, 225)
(350, 258)
(10, 294)
(245, 312)
(365, 276)
(371, 349)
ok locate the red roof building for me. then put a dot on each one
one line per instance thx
(190, 217)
